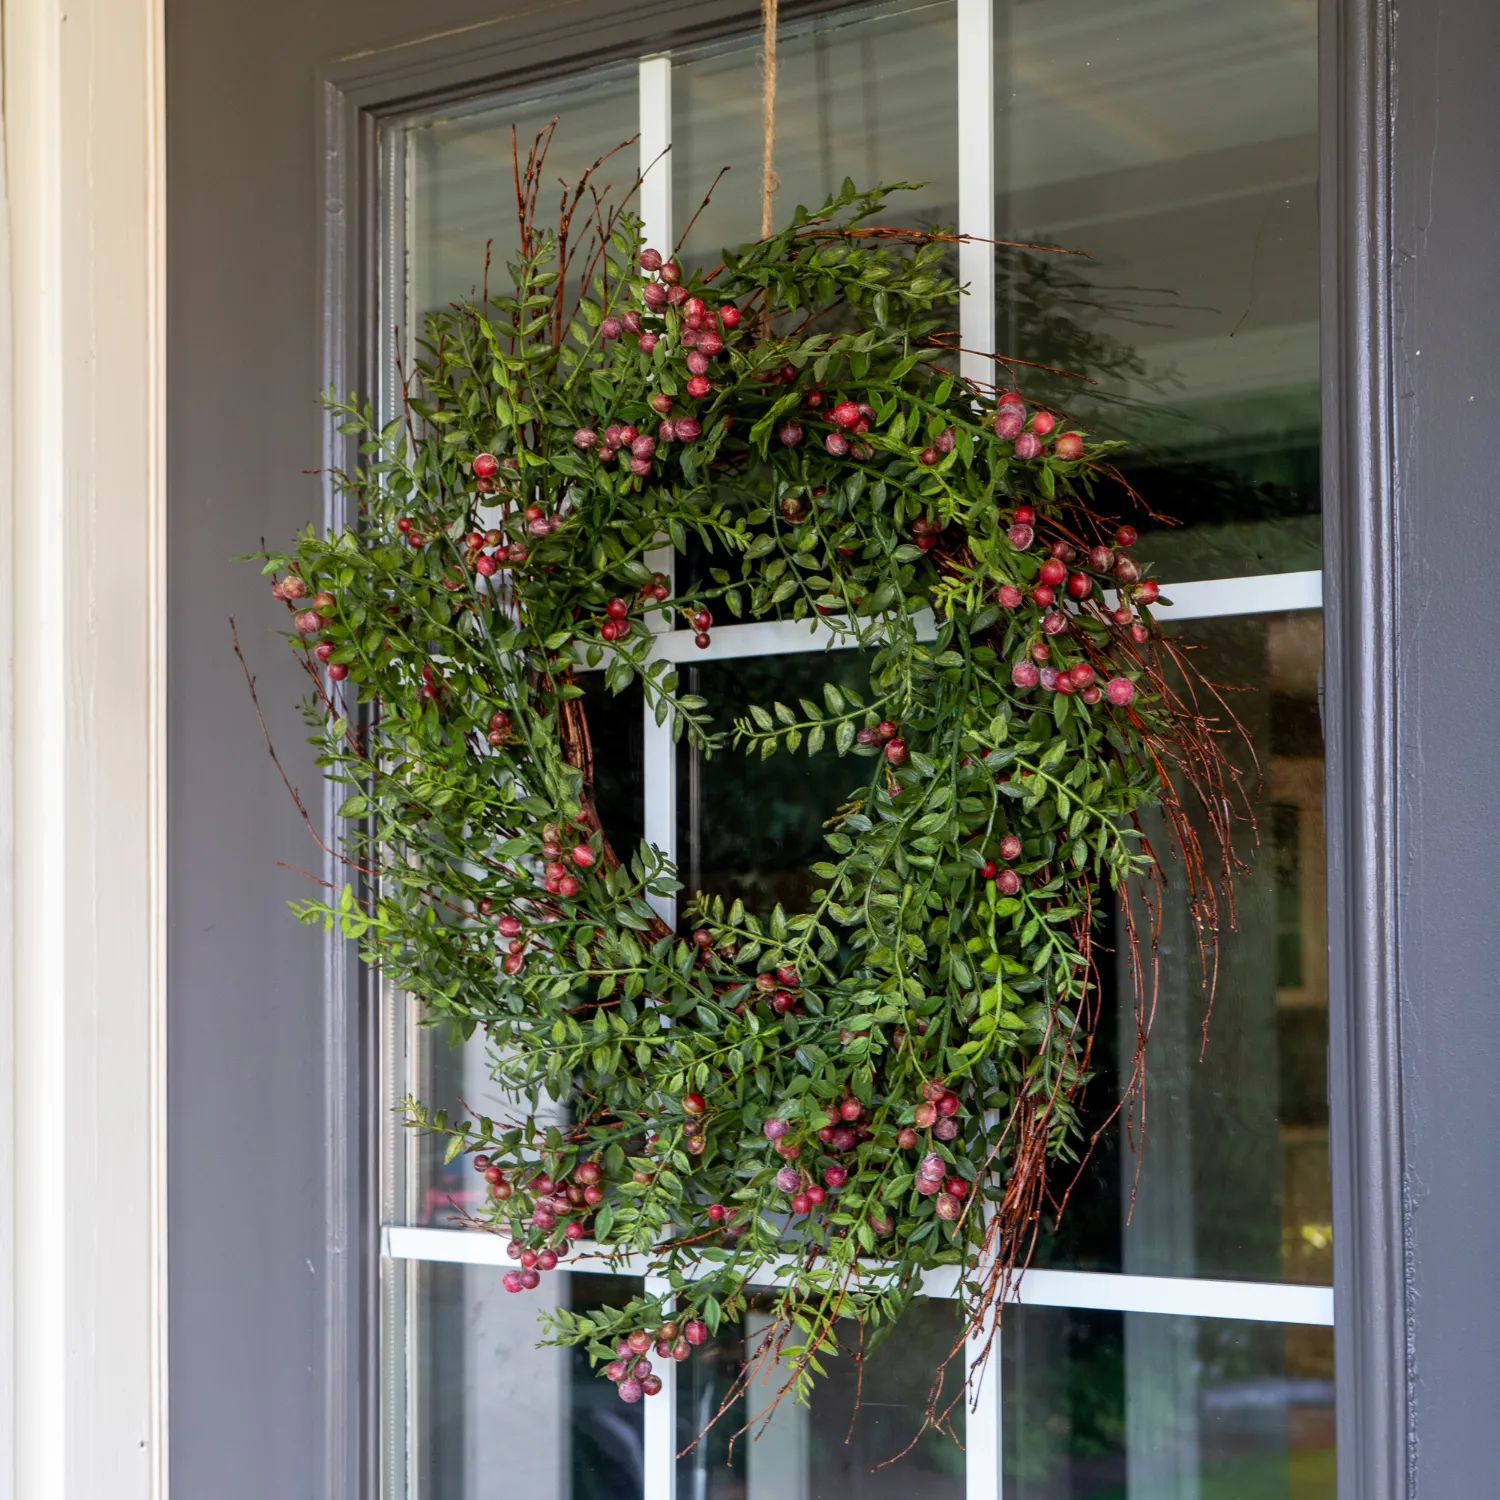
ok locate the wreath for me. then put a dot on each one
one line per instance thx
(827, 1104)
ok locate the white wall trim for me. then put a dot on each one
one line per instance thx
(82, 1354)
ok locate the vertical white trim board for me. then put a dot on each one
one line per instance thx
(85, 1349)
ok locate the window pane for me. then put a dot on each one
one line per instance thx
(1233, 1160)
(491, 1414)
(460, 178)
(444, 1073)
(826, 1450)
(870, 99)
(1137, 1406)
(749, 828)
(1176, 142)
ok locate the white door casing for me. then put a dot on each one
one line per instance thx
(82, 1284)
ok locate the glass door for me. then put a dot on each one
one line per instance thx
(1173, 1340)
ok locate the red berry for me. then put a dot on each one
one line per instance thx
(403, 525)
(1010, 847)
(694, 1104)
(1024, 516)
(1028, 445)
(1052, 571)
(1007, 882)
(801, 1203)
(1024, 675)
(717, 1213)
(1125, 536)
(702, 620)
(730, 316)
(583, 856)
(930, 456)
(835, 1177)
(925, 1115)
(845, 414)
(486, 465)
(1010, 596)
(695, 1332)
(1043, 423)
(1148, 591)
(1119, 691)
(851, 1109)
(1010, 418)
(897, 753)
(907, 1138)
(815, 1195)
(1080, 585)
(698, 385)
(486, 567)
(1042, 596)
(701, 640)
(1069, 446)
(990, 870)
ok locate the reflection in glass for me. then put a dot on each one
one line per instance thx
(1138, 1406)
(750, 827)
(491, 1414)
(1175, 141)
(760, 1448)
(870, 99)
(460, 180)
(1233, 1176)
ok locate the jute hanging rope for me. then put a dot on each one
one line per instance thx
(768, 179)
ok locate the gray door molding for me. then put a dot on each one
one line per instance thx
(1360, 695)
(1411, 174)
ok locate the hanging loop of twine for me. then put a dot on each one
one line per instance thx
(768, 179)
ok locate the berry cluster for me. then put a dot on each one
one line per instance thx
(631, 1369)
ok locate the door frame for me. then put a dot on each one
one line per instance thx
(1406, 258)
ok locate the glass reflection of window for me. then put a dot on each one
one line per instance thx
(1177, 1343)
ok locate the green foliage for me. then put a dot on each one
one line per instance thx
(455, 726)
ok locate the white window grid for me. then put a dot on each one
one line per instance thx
(1218, 598)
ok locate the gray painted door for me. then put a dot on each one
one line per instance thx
(271, 1230)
